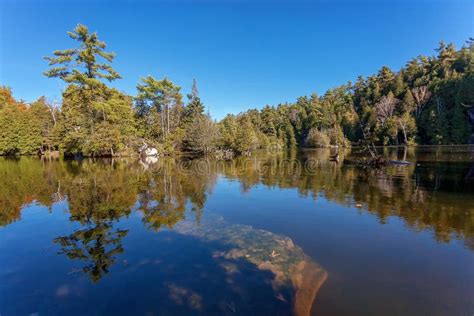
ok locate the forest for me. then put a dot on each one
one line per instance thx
(426, 102)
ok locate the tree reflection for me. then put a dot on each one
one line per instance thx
(98, 196)
(100, 193)
(167, 188)
(427, 195)
(24, 181)
(97, 245)
(435, 194)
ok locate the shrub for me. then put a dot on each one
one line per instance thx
(317, 138)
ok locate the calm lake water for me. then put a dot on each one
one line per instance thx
(271, 234)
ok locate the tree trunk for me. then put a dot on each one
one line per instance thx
(162, 122)
(53, 115)
(167, 119)
(405, 139)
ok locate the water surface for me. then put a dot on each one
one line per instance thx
(275, 233)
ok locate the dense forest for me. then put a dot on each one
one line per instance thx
(425, 102)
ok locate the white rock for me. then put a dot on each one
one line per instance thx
(151, 152)
(151, 160)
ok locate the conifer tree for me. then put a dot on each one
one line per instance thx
(165, 97)
(195, 108)
(93, 115)
(82, 65)
(460, 128)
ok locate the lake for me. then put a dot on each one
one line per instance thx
(277, 233)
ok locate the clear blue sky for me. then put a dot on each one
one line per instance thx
(244, 54)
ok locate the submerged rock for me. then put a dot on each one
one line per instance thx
(290, 266)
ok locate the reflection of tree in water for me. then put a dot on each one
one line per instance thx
(101, 193)
(98, 196)
(23, 181)
(166, 189)
(435, 196)
(431, 195)
(97, 245)
(160, 198)
(425, 197)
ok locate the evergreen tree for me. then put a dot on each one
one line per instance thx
(460, 129)
(435, 123)
(201, 135)
(459, 125)
(194, 108)
(82, 65)
(10, 129)
(408, 103)
(165, 97)
(245, 139)
(91, 112)
(399, 85)
(43, 120)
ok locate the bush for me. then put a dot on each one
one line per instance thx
(317, 138)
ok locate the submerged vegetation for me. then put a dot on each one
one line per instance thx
(428, 101)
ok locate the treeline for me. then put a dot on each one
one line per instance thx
(95, 119)
(426, 102)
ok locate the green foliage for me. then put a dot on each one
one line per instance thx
(237, 133)
(160, 102)
(10, 133)
(408, 103)
(201, 135)
(82, 65)
(95, 120)
(317, 138)
(24, 129)
(459, 125)
(44, 121)
(460, 128)
(425, 102)
(101, 127)
(194, 108)
(435, 123)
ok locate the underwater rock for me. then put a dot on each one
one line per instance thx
(290, 266)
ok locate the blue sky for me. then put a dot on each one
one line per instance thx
(244, 54)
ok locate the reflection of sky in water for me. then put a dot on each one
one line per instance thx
(195, 269)
(398, 241)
